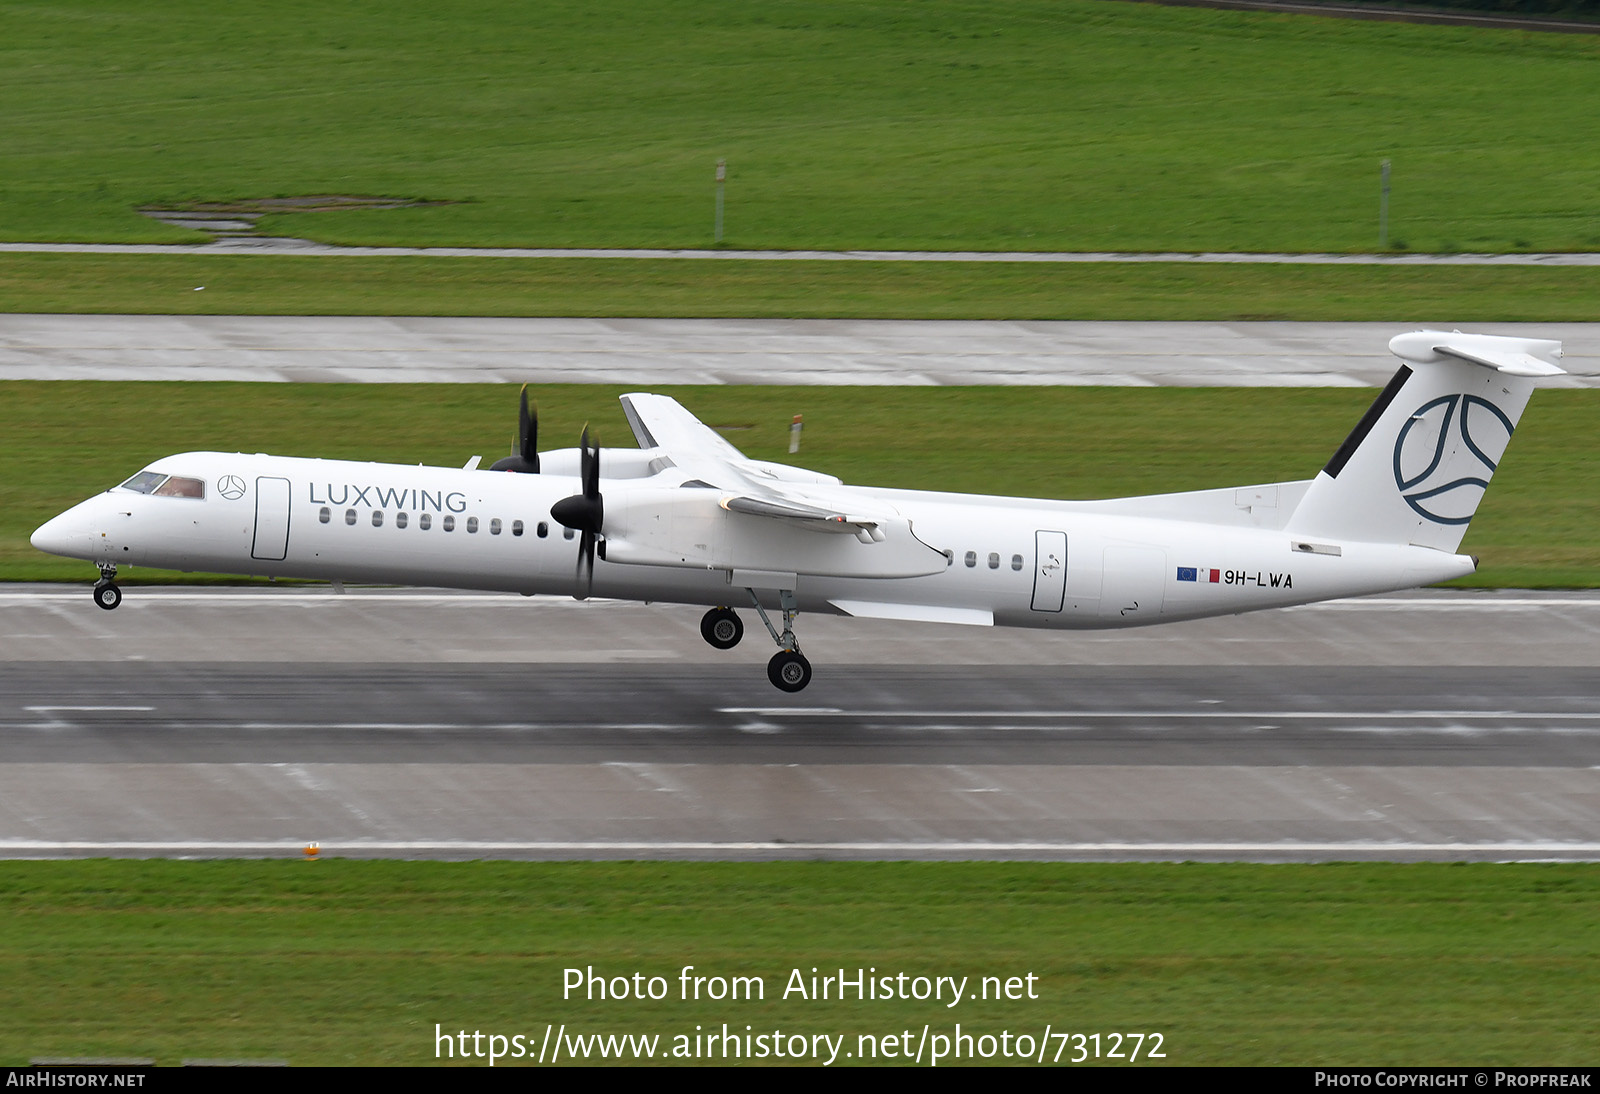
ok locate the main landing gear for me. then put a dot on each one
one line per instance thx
(106, 593)
(788, 670)
(722, 627)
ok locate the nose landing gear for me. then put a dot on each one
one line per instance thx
(106, 593)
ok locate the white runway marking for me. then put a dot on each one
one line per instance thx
(1182, 715)
(46, 710)
(1415, 723)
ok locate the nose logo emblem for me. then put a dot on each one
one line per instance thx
(231, 487)
(1445, 454)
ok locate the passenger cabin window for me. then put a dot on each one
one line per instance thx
(494, 527)
(449, 523)
(516, 527)
(1016, 562)
(349, 516)
(425, 521)
(472, 524)
(972, 558)
(325, 515)
(377, 518)
(543, 529)
(994, 560)
(567, 533)
(400, 520)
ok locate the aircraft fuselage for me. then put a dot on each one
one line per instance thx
(983, 559)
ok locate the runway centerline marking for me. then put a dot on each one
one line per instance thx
(48, 710)
(1471, 723)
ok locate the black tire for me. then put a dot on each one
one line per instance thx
(107, 595)
(789, 671)
(722, 628)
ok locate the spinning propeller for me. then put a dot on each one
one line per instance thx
(584, 513)
(526, 461)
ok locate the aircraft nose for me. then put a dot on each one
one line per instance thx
(62, 535)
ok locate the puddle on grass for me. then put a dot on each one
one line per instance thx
(237, 219)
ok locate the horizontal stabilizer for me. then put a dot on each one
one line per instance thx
(1514, 356)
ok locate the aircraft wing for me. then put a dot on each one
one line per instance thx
(725, 511)
(660, 422)
(750, 487)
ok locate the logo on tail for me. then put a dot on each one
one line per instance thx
(1442, 439)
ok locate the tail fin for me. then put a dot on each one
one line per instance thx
(1418, 462)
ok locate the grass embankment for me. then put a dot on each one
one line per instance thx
(344, 962)
(67, 440)
(281, 285)
(1031, 124)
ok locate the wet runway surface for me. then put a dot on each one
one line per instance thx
(587, 714)
(226, 722)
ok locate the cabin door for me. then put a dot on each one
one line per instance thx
(272, 520)
(1049, 571)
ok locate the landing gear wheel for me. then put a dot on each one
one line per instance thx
(789, 670)
(107, 595)
(722, 627)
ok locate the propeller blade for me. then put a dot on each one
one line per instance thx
(590, 468)
(526, 459)
(585, 574)
(528, 432)
(584, 513)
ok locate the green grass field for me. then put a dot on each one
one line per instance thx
(1445, 296)
(344, 962)
(945, 124)
(65, 441)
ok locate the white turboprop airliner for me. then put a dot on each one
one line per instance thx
(687, 518)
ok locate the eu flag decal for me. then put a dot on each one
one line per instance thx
(1186, 573)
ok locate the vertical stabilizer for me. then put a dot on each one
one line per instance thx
(1417, 464)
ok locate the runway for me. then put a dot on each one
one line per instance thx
(250, 722)
(217, 722)
(646, 352)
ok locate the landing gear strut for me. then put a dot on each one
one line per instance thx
(722, 627)
(788, 670)
(106, 593)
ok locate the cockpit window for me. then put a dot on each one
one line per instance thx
(165, 486)
(144, 482)
(179, 487)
